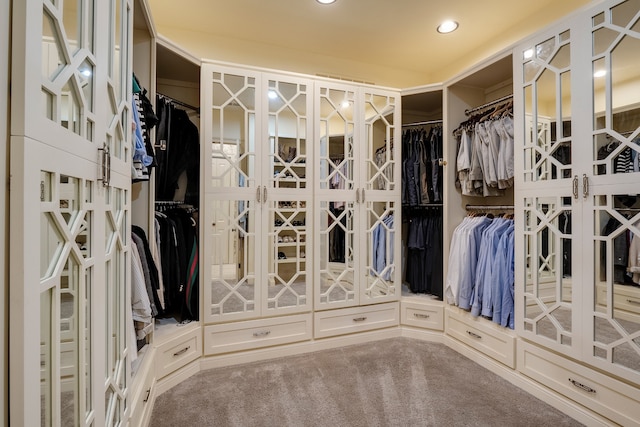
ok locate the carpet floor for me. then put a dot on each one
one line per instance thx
(393, 382)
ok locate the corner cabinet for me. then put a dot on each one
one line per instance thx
(578, 206)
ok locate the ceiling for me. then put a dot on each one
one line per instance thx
(393, 43)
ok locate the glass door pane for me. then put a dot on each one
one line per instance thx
(335, 138)
(546, 76)
(616, 309)
(379, 281)
(379, 133)
(336, 253)
(548, 264)
(616, 111)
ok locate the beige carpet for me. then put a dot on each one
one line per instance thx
(395, 382)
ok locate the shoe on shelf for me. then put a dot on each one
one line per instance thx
(281, 255)
(302, 254)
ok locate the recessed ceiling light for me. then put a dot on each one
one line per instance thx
(447, 27)
(600, 73)
(326, 1)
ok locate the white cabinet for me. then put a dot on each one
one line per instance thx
(70, 210)
(577, 199)
(258, 194)
(357, 195)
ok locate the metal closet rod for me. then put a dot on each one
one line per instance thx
(428, 122)
(175, 101)
(488, 207)
(488, 104)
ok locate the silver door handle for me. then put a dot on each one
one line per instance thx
(582, 386)
(575, 187)
(474, 335)
(585, 186)
(421, 316)
(360, 319)
(264, 194)
(261, 334)
(259, 195)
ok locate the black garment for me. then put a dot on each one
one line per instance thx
(424, 267)
(179, 137)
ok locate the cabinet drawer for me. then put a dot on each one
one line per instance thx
(422, 315)
(144, 393)
(483, 335)
(253, 334)
(602, 394)
(178, 351)
(359, 319)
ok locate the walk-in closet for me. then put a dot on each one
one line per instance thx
(180, 200)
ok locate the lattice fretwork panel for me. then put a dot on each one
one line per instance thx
(547, 281)
(287, 259)
(336, 241)
(547, 97)
(379, 129)
(233, 119)
(336, 133)
(288, 120)
(616, 314)
(117, 257)
(66, 279)
(68, 66)
(616, 65)
(381, 258)
(233, 265)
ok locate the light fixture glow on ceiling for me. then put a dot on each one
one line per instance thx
(600, 73)
(326, 1)
(447, 27)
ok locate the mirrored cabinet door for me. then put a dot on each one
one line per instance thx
(547, 197)
(614, 194)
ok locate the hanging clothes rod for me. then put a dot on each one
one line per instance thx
(488, 104)
(177, 102)
(428, 122)
(488, 207)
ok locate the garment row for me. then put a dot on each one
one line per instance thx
(423, 270)
(626, 254)
(421, 169)
(484, 161)
(480, 275)
(382, 241)
(177, 154)
(144, 119)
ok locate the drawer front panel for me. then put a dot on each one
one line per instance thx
(178, 352)
(604, 395)
(255, 334)
(351, 320)
(144, 395)
(483, 336)
(422, 315)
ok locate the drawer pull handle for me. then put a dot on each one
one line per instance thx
(261, 334)
(183, 351)
(581, 386)
(146, 398)
(421, 316)
(630, 301)
(474, 335)
(360, 319)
